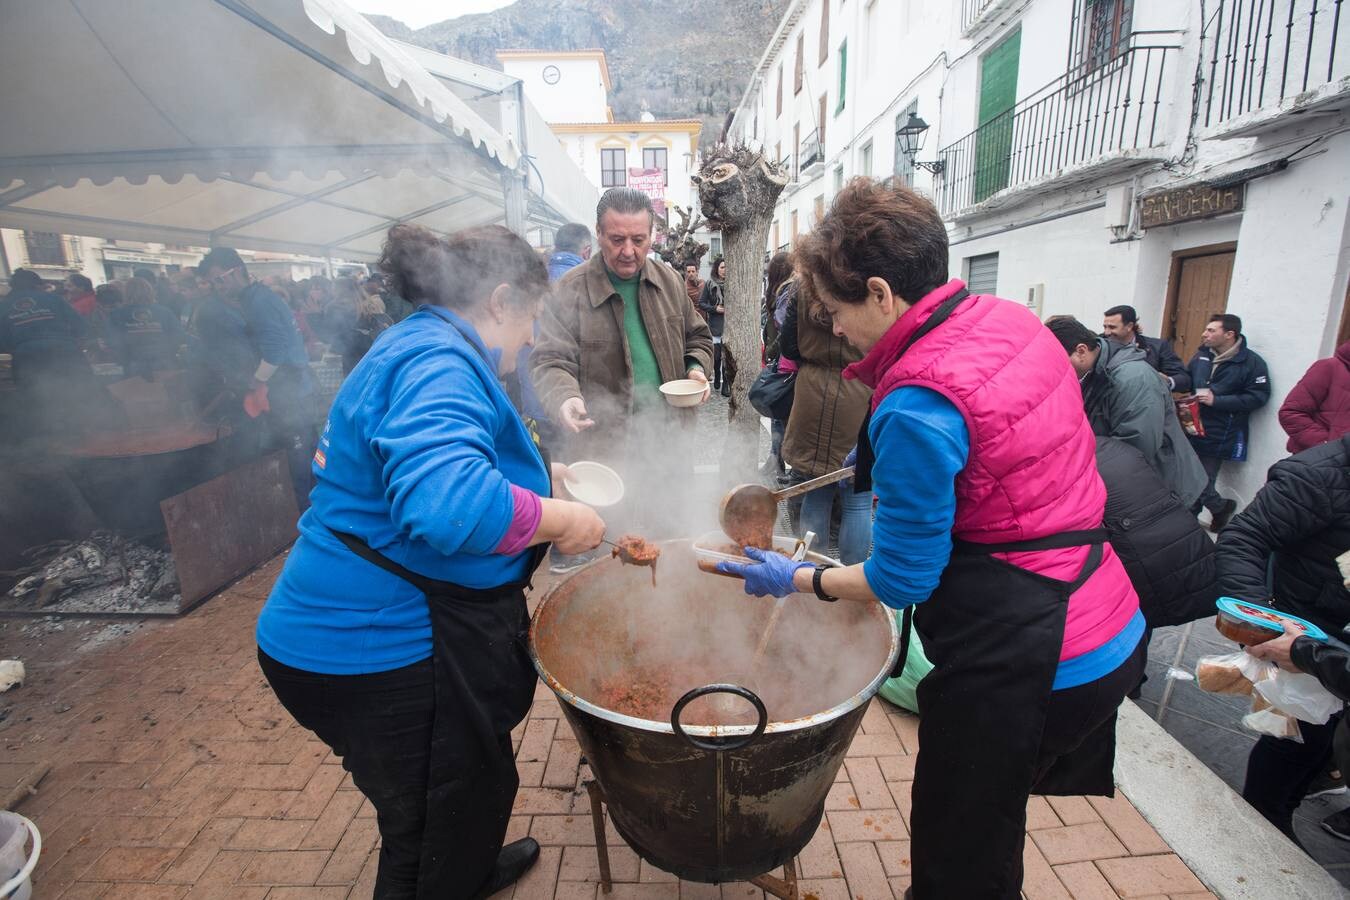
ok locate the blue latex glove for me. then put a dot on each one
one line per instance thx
(850, 460)
(771, 573)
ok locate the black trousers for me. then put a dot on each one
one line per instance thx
(1078, 711)
(380, 724)
(1279, 772)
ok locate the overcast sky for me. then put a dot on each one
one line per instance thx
(419, 13)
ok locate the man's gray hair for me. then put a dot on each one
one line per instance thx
(572, 237)
(626, 201)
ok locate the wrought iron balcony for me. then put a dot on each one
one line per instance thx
(973, 10)
(812, 153)
(1257, 53)
(1101, 108)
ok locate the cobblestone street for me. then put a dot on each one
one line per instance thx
(176, 774)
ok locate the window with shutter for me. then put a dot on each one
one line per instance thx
(843, 77)
(982, 273)
(824, 31)
(998, 95)
(655, 158)
(799, 69)
(613, 167)
(904, 163)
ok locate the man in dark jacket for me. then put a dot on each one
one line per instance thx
(1169, 558)
(1317, 410)
(1230, 382)
(282, 387)
(1121, 324)
(571, 248)
(42, 332)
(1301, 521)
(1124, 398)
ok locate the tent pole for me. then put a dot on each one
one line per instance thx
(516, 201)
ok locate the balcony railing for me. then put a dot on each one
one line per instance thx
(971, 10)
(1082, 115)
(1259, 52)
(812, 153)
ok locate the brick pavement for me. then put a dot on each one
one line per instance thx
(176, 774)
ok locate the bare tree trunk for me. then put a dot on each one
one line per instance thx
(737, 189)
(744, 293)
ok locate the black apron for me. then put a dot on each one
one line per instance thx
(484, 684)
(993, 632)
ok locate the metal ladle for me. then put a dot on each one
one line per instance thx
(748, 511)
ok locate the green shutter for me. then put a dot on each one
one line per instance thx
(843, 77)
(998, 96)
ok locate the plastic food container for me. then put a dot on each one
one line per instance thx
(714, 547)
(683, 392)
(1250, 623)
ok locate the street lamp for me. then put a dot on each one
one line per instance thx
(910, 137)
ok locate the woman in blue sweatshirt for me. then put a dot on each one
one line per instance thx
(397, 629)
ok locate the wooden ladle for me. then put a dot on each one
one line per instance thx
(748, 511)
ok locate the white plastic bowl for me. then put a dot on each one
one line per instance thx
(594, 484)
(683, 392)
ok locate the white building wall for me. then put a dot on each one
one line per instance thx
(579, 94)
(1289, 285)
(681, 153)
(894, 56)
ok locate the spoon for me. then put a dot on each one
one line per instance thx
(748, 511)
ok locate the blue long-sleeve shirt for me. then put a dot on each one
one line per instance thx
(272, 326)
(418, 458)
(921, 444)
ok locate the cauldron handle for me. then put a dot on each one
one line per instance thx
(744, 693)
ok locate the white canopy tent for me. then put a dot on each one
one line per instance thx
(285, 125)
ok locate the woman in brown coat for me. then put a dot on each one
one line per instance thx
(827, 412)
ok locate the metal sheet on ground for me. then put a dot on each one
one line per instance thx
(229, 525)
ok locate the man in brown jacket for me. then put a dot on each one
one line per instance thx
(617, 327)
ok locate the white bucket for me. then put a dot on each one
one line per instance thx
(15, 868)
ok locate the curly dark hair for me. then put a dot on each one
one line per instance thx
(874, 230)
(460, 271)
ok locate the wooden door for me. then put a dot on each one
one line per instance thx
(998, 96)
(1198, 291)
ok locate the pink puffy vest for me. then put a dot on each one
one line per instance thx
(1032, 469)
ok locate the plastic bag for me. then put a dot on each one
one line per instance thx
(1299, 695)
(1274, 723)
(902, 690)
(1232, 673)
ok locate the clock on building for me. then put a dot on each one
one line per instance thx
(551, 74)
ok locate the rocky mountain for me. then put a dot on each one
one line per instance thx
(683, 60)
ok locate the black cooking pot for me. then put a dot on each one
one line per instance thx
(711, 771)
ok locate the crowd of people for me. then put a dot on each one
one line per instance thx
(1026, 495)
(244, 347)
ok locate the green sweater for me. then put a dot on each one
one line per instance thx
(646, 372)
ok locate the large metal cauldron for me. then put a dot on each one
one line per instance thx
(711, 787)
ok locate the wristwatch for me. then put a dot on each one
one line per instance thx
(816, 586)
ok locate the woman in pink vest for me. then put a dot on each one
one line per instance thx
(988, 530)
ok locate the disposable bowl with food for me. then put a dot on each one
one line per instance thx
(593, 483)
(683, 392)
(1251, 623)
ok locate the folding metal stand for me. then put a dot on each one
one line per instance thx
(783, 888)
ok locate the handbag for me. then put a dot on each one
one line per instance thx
(771, 394)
